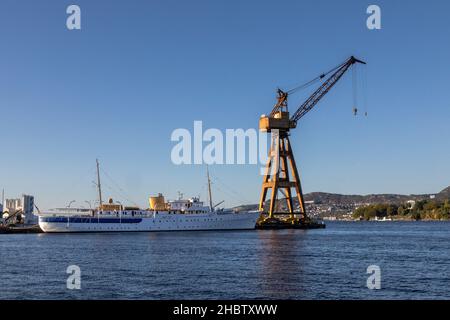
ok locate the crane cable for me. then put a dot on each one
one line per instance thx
(359, 81)
(355, 90)
(316, 79)
(364, 90)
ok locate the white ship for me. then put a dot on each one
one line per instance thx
(178, 215)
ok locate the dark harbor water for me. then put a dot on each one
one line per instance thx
(414, 258)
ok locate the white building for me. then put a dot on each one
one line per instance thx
(411, 204)
(24, 204)
(12, 205)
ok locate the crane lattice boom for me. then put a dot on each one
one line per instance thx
(323, 89)
(279, 116)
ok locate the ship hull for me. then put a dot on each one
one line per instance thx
(157, 222)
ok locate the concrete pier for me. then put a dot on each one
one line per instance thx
(20, 229)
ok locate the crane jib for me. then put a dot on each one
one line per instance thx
(324, 88)
(336, 74)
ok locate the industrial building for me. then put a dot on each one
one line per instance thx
(23, 205)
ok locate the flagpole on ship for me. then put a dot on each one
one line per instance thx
(209, 190)
(99, 187)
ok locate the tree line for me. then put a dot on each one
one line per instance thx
(424, 209)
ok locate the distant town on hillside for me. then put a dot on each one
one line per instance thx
(338, 206)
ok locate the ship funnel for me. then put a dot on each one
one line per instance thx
(157, 203)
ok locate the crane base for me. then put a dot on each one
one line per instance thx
(288, 223)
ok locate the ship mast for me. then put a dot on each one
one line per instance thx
(99, 185)
(209, 189)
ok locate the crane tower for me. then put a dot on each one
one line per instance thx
(281, 174)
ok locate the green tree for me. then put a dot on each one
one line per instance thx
(392, 210)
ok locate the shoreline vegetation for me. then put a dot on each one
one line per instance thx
(426, 210)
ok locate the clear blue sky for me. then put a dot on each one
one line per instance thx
(140, 69)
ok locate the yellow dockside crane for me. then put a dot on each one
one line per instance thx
(281, 174)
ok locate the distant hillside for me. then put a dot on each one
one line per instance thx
(324, 198)
(341, 199)
(444, 194)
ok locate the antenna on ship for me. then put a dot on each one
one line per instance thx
(99, 185)
(209, 189)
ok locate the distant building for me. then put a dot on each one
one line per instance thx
(24, 204)
(27, 204)
(411, 204)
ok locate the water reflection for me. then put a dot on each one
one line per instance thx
(282, 263)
